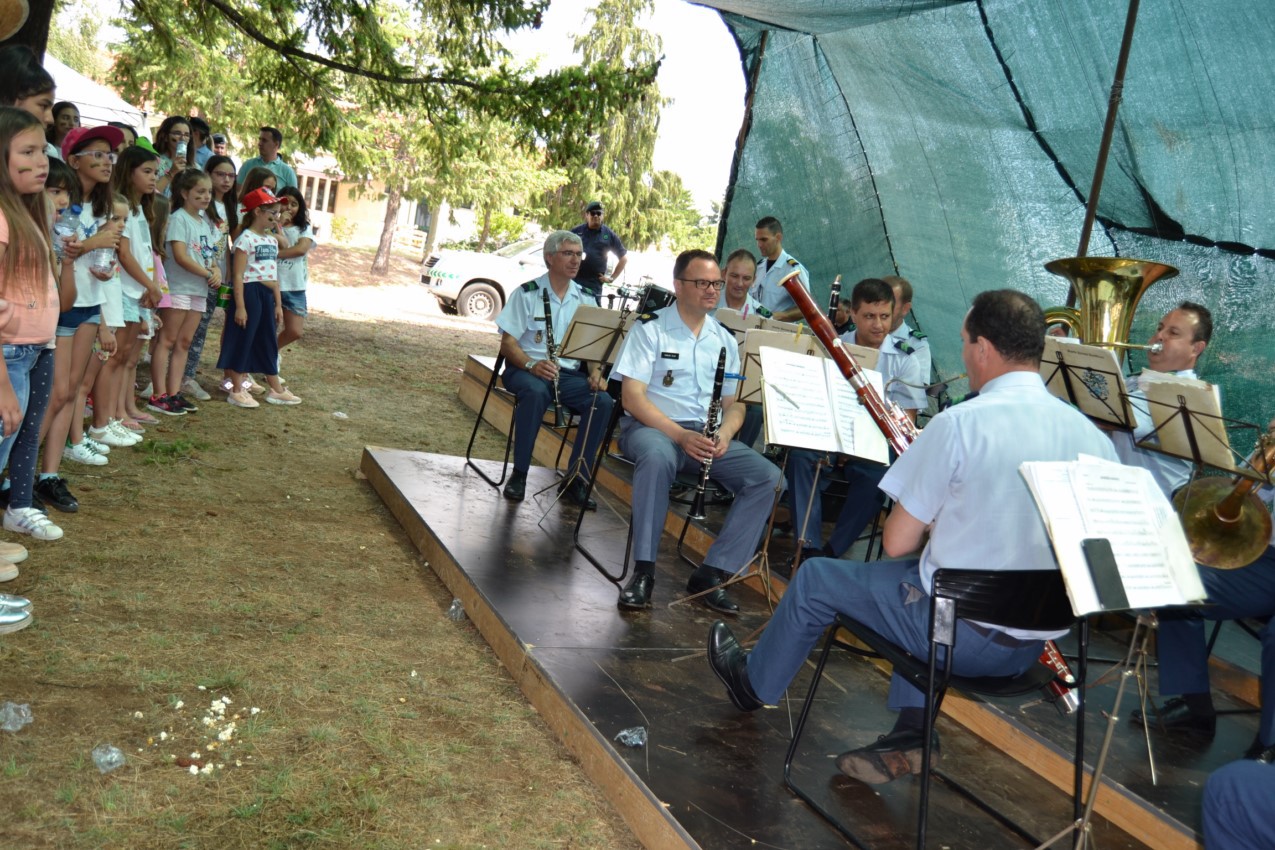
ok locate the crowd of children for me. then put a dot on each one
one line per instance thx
(107, 241)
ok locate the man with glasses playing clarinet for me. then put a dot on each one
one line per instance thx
(530, 371)
(668, 368)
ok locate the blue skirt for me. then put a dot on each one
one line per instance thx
(254, 347)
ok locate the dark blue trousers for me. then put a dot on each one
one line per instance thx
(534, 397)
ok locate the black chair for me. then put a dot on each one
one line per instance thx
(1033, 600)
(493, 385)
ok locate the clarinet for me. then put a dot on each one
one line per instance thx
(552, 356)
(834, 301)
(900, 433)
(711, 427)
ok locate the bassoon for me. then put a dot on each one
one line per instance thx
(900, 432)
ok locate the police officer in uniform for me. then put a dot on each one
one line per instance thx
(776, 264)
(906, 339)
(871, 305)
(598, 240)
(741, 271)
(667, 368)
(529, 373)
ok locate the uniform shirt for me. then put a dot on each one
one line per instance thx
(766, 288)
(294, 273)
(962, 475)
(752, 307)
(906, 339)
(1171, 473)
(597, 244)
(200, 236)
(524, 318)
(202, 153)
(263, 256)
(137, 231)
(661, 348)
(284, 175)
(901, 368)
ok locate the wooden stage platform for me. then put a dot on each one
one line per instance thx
(711, 776)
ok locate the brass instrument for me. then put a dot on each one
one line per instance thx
(559, 420)
(1153, 348)
(711, 427)
(1225, 522)
(1108, 290)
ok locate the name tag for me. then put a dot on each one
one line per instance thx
(669, 355)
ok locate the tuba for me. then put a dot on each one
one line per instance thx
(1108, 290)
(1225, 522)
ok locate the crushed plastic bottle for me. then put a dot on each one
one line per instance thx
(336, 414)
(14, 717)
(107, 757)
(456, 612)
(632, 737)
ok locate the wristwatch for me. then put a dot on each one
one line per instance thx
(531, 364)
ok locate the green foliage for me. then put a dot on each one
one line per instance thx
(342, 229)
(73, 38)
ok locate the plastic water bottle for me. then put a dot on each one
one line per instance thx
(65, 227)
(107, 757)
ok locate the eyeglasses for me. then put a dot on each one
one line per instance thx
(576, 254)
(179, 135)
(110, 155)
(705, 284)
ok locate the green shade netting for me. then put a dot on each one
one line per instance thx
(955, 143)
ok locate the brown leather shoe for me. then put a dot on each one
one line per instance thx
(890, 757)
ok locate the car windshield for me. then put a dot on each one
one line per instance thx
(516, 248)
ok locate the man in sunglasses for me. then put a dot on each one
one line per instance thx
(668, 367)
(599, 241)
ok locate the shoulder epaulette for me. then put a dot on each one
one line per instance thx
(764, 312)
(530, 286)
(646, 317)
(904, 346)
(792, 261)
(915, 334)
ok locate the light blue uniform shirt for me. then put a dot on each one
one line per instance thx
(663, 347)
(919, 344)
(752, 307)
(901, 368)
(1169, 472)
(962, 475)
(524, 318)
(766, 288)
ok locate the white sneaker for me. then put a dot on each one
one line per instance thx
(83, 452)
(96, 445)
(31, 521)
(107, 437)
(192, 388)
(11, 553)
(149, 391)
(117, 428)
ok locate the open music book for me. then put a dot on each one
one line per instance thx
(809, 404)
(1089, 377)
(1093, 499)
(740, 324)
(1175, 402)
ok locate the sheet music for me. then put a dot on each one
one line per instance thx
(1088, 377)
(1095, 498)
(1165, 395)
(591, 335)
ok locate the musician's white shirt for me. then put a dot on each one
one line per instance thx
(524, 317)
(1170, 473)
(962, 476)
(766, 288)
(901, 368)
(920, 346)
(677, 367)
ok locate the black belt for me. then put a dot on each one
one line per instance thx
(998, 637)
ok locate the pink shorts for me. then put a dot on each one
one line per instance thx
(165, 302)
(188, 302)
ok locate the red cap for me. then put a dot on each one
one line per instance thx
(81, 136)
(258, 198)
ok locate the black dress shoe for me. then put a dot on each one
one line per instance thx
(573, 491)
(892, 756)
(637, 593)
(708, 578)
(1175, 716)
(516, 486)
(1259, 752)
(730, 663)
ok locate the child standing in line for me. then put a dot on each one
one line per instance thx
(224, 212)
(27, 319)
(249, 342)
(294, 267)
(191, 270)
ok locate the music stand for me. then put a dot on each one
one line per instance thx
(1089, 378)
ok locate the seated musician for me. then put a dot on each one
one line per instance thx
(959, 482)
(668, 367)
(906, 338)
(841, 320)
(872, 308)
(529, 372)
(740, 272)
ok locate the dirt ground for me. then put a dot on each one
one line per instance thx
(236, 556)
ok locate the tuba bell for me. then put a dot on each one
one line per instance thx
(1108, 290)
(1226, 524)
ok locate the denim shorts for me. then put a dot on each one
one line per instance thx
(71, 320)
(294, 302)
(132, 309)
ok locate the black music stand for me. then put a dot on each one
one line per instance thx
(1090, 379)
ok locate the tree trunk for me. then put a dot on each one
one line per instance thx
(35, 32)
(381, 263)
(486, 234)
(435, 216)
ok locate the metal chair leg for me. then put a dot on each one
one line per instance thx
(478, 421)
